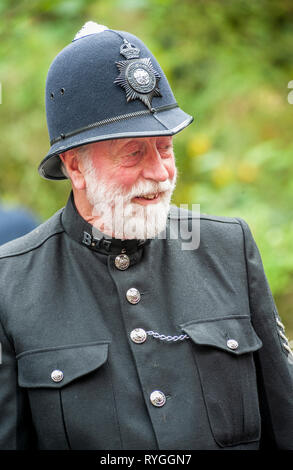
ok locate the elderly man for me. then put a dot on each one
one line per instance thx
(113, 336)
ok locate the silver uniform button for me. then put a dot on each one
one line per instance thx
(57, 375)
(232, 344)
(133, 295)
(138, 335)
(122, 262)
(158, 398)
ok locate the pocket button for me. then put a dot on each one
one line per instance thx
(232, 344)
(57, 375)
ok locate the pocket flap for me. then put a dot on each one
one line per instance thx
(235, 335)
(67, 363)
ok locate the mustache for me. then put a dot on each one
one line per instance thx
(147, 187)
(144, 187)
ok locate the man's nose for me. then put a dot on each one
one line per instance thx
(154, 168)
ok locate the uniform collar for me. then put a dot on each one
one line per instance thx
(82, 232)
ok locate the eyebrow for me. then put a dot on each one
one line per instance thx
(124, 143)
(119, 144)
(115, 143)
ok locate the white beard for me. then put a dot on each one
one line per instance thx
(117, 216)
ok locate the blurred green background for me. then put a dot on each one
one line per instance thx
(229, 64)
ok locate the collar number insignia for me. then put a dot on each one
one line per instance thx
(137, 76)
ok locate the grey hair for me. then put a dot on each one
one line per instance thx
(80, 153)
(63, 169)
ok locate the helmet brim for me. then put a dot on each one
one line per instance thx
(168, 122)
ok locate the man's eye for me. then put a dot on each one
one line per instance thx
(165, 149)
(135, 153)
(131, 158)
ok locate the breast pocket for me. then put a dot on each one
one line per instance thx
(71, 396)
(223, 352)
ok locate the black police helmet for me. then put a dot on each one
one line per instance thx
(106, 85)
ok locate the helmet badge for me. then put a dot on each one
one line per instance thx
(137, 76)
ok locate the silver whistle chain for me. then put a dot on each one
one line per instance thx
(167, 338)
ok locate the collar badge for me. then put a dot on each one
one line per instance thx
(137, 76)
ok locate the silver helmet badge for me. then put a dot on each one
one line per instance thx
(137, 76)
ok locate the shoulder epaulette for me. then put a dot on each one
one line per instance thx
(178, 213)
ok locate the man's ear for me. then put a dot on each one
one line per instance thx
(73, 169)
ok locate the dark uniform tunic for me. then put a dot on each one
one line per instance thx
(76, 373)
